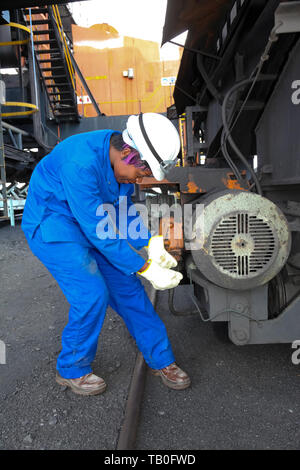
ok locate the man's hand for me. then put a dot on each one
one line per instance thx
(160, 278)
(158, 253)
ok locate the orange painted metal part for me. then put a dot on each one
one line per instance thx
(191, 187)
(232, 183)
(149, 182)
(172, 233)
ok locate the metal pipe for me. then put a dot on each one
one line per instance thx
(83, 81)
(21, 82)
(2, 170)
(197, 51)
(228, 131)
(14, 129)
(33, 60)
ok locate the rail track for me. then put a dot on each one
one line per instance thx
(130, 424)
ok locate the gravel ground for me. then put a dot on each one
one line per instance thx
(37, 413)
(241, 397)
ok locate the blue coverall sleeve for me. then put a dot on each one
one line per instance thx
(82, 190)
(135, 220)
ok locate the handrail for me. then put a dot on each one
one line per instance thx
(33, 59)
(65, 46)
(83, 81)
(64, 37)
(33, 107)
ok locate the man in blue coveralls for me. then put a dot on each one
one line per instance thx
(63, 226)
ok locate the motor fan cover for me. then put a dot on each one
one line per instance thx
(242, 239)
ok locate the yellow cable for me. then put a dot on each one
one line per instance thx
(21, 105)
(18, 26)
(20, 41)
(14, 43)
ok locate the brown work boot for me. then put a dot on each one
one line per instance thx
(88, 384)
(173, 377)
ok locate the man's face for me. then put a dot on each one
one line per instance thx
(126, 173)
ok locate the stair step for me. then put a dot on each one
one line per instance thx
(65, 114)
(44, 61)
(43, 31)
(58, 85)
(48, 41)
(48, 61)
(48, 69)
(59, 93)
(67, 110)
(46, 21)
(47, 51)
(64, 100)
(59, 105)
(54, 77)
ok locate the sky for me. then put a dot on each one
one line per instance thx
(143, 19)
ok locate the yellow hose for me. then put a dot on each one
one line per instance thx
(21, 105)
(19, 42)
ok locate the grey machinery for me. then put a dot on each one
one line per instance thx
(238, 88)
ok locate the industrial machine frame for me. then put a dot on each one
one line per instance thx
(237, 102)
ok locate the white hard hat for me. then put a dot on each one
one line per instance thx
(156, 139)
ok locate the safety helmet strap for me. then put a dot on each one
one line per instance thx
(144, 133)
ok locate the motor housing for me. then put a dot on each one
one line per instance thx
(241, 240)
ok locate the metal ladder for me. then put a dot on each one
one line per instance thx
(54, 61)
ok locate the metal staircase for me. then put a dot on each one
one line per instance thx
(54, 61)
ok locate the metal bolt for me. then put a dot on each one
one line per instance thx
(239, 307)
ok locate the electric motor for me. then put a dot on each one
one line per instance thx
(240, 239)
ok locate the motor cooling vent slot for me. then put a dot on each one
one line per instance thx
(243, 244)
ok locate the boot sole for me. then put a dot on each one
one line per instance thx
(78, 391)
(170, 384)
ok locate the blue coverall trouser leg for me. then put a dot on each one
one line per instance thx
(90, 283)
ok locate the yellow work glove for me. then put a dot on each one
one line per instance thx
(158, 253)
(161, 278)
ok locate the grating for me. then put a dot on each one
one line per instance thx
(243, 244)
